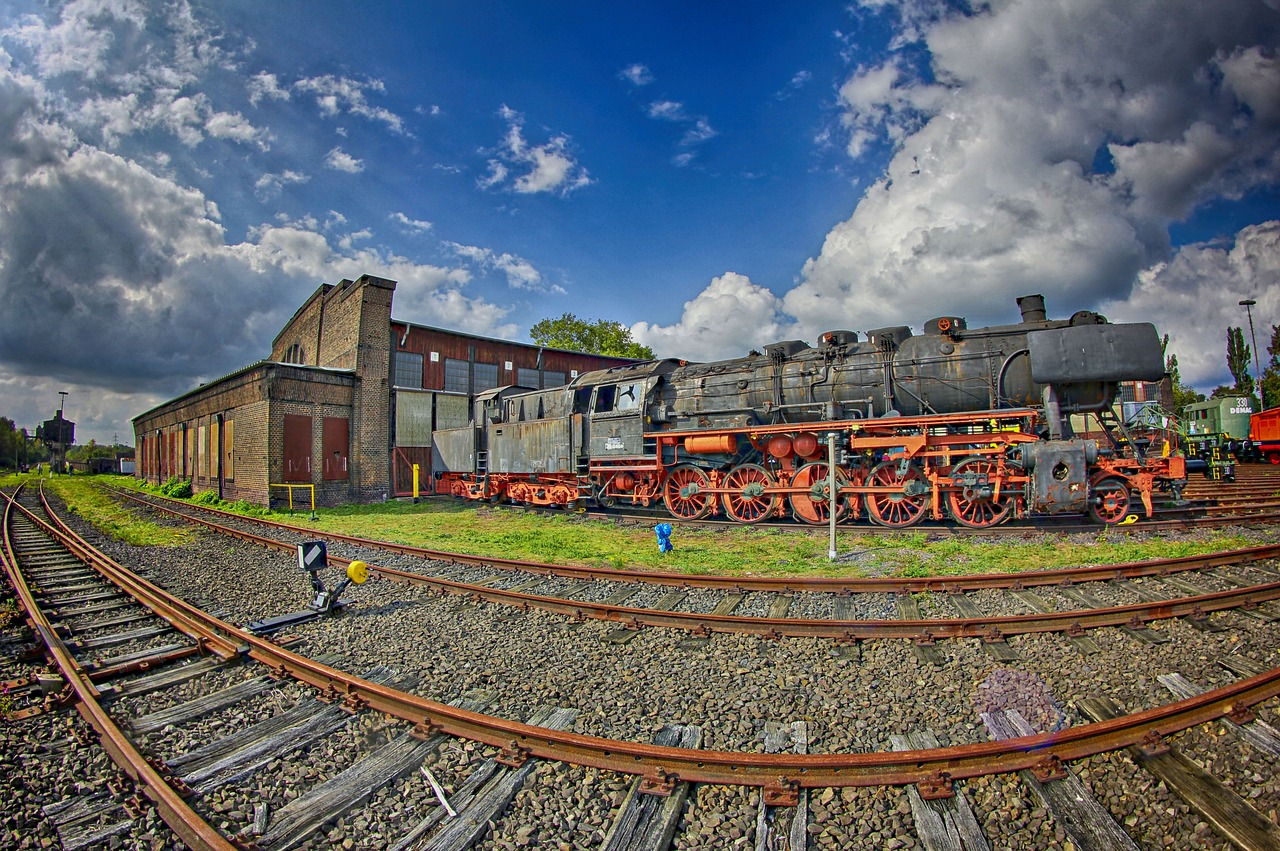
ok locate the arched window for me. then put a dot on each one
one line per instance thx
(294, 354)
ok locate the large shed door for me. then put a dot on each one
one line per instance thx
(337, 444)
(296, 464)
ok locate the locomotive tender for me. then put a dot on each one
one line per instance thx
(971, 423)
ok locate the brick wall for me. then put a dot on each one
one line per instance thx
(303, 330)
(371, 405)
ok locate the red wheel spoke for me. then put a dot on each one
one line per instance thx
(897, 509)
(747, 499)
(1110, 502)
(813, 505)
(976, 505)
(686, 493)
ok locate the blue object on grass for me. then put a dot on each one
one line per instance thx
(663, 531)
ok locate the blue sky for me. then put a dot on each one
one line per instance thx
(176, 177)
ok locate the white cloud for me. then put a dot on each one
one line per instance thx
(637, 74)
(797, 82)
(412, 224)
(994, 188)
(133, 82)
(335, 95)
(698, 130)
(270, 185)
(528, 169)
(520, 273)
(726, 320)
(1254, 78)
(265, 85)
(339, 160)
(98, 252)
(667, 110)
(1196, 295)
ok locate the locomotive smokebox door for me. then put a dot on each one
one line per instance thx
(1061, 475)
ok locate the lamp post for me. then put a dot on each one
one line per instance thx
(1248, 304)
(61, 451)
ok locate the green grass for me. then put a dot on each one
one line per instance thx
(499, 532)
(90, 502)
(572, 539)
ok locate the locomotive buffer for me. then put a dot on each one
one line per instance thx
(313, 557)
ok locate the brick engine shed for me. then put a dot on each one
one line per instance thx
(346, 402)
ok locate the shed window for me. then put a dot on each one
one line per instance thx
(456, 376)
(528, 378)
(409, 370)
(553, 379)
(486, 376)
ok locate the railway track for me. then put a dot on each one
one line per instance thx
(715, 812)
(991, 607)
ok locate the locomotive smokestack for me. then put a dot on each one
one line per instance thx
(1032, 308)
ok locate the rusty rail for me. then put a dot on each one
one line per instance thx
(184, 821)
(791, 584)
(781, 775)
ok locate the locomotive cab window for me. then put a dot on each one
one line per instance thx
(629, 396)
(604, 399)
(619, 398)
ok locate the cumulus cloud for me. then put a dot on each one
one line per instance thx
(338, 95)
(1050, 151)
(133, 89)
(339, 160)
(120, 283)
(1196, 296)
(520, 273)
(528, 169)
(726, 320)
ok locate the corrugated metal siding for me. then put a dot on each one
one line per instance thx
(542, 446)
(452, 411)
(413, 418)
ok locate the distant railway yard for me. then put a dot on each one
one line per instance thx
(509, 679)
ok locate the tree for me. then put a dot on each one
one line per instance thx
(1238, 354)
(1271, 372)
(598, 336)
(1182, 394)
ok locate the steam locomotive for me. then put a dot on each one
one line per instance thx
(971, 424)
